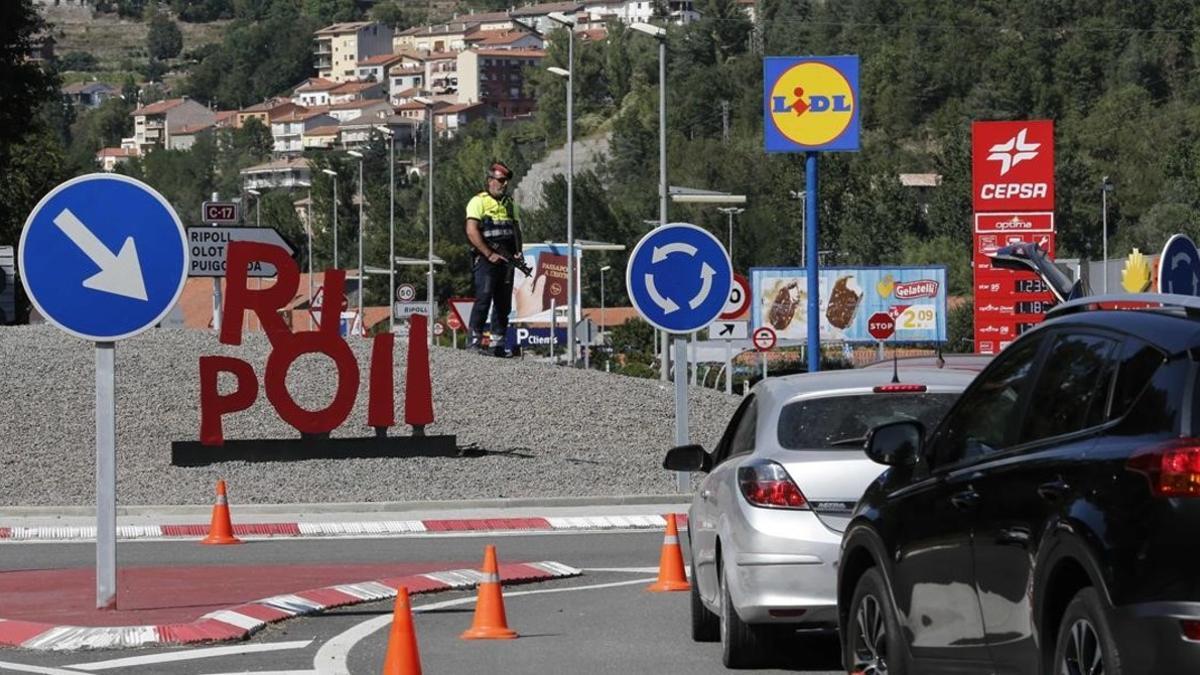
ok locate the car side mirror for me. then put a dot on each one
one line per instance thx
(687, 458)
(896, 443)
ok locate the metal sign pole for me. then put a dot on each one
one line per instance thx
(764, 360)
(681, 409)
(728, 367)
(216, 316)
(106, 477)
(810, 266)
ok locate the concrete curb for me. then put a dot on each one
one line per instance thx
(379, 528)
(352, 507)
(241, 621)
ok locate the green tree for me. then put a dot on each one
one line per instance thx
(31, 155)
(164, 39)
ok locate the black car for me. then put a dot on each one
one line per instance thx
(1050, 522)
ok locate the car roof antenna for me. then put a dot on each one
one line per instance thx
(895, 366)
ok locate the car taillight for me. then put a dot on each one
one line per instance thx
(900, 389)
(1191, 628)
(1172, 467)
(767, 484)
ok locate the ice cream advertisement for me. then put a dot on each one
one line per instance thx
(914, 296)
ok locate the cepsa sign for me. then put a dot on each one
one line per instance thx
(811, 103)
(1013, 165)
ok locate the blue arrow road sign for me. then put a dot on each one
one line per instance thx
(103, 257)
(1179, 267)
(679, 277)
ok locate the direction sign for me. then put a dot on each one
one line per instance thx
(103, 257)
(678, 277)
(728, 330)
(209, 248)
(406, 292)
(219, 213)
(881, 325)
(739, 299)
(1179, 267)
(764, 338)
(403, 310)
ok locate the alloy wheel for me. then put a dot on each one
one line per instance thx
(870, 643)
(1083, 655)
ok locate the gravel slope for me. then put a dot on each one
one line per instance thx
(548, 431)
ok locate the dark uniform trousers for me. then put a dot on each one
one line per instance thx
(493, 290)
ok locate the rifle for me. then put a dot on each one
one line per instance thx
(515, 260)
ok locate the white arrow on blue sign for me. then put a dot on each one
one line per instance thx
(678, 277)
(103, 257)
(1179, 267)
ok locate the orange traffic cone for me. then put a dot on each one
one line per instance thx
(221, 529)
(490, 622)
(402, 656)
(671, 576)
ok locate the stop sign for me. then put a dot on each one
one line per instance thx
(881, 326)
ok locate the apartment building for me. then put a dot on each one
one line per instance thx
(288, 131)
(313, 92)
(266, 111)
(339, 48)
(538, 16)
(278, 173)
(505, 39)
(495, 77)
(152, 123)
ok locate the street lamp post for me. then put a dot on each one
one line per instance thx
(330, 172)
(603, 322)
(660, 34)
(428, 103)
(1105, 188)
(391, 224)
(257, 211)
(731, 211)
(568, 22)
(361, 277)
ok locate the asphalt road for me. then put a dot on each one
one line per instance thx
(601, 622)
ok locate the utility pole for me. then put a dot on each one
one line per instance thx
(725, 121)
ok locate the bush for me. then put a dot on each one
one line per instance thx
(637, 369)
(78, 61)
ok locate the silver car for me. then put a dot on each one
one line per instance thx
(766, 524)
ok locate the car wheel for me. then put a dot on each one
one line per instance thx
(706, 626)
(1085, 644)
(871, 643)
(743, 645)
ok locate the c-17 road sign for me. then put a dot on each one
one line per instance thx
(209, 247)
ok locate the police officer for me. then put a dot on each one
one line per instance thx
(495, 236)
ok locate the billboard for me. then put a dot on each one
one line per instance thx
(532, 296)
(914, 296)
(810, 103)
(1013, 165)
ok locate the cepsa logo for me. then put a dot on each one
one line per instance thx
(1013, 165)
(811, 103)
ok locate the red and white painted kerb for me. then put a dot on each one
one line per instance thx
(350, 529)
(236, 623)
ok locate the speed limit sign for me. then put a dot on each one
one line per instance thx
(438, 329)
(739, 299)
(406, 292)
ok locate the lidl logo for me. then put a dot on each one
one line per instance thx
(811, 103)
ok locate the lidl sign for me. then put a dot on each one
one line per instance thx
(810, 103)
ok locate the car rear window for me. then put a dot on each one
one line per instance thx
(843, 421)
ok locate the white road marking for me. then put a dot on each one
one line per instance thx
(205, 653)
(22, 668)
(631, 570)
(332, 657)
(588, 529)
